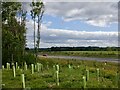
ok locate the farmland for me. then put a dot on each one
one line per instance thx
(71, 74)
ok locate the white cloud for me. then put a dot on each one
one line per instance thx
(101, 23)
(52, 35)
(47, 23)
(97, 14)
(94, 13)
(62, 37)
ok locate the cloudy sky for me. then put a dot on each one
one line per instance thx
(76, 24)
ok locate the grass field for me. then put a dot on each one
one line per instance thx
(101, 54)
(68, 77)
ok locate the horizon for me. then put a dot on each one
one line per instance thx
(75, 47)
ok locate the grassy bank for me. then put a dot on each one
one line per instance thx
(101, 54)
(68, 77)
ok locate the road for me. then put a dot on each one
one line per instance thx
(84, 58)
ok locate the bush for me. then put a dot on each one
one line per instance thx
(29, 58)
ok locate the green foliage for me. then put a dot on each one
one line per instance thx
(29, 59)
(13, 32)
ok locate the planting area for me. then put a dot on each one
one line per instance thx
(101, 54)
(59, 73)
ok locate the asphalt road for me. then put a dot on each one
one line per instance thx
(84, 58)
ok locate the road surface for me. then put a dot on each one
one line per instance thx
(84, 58)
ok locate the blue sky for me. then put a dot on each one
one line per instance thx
(58, 23)
(76, 24)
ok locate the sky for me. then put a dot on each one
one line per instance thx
(75, 24)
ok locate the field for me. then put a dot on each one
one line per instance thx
(101, 54)
(70, 75)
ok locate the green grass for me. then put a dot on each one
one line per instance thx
(101, 54)
(69, 78)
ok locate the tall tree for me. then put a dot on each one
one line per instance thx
(40, 11)
(33, 14)
(13, 39)
(37, 11)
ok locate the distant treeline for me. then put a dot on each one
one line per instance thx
(79, 49)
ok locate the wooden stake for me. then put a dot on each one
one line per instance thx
(87, 74)
(69, 66)
(14, 74)
(57, 66)
(54, 73)
(32, 65)
(23, 80)
(84, 81)
(25, 66)
(12, 64)
(9, 66)
(57, 77)
(2, 67)
(38, 67)
(98, 73)
(16, 65)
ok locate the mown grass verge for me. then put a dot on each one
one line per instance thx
(101, 54)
